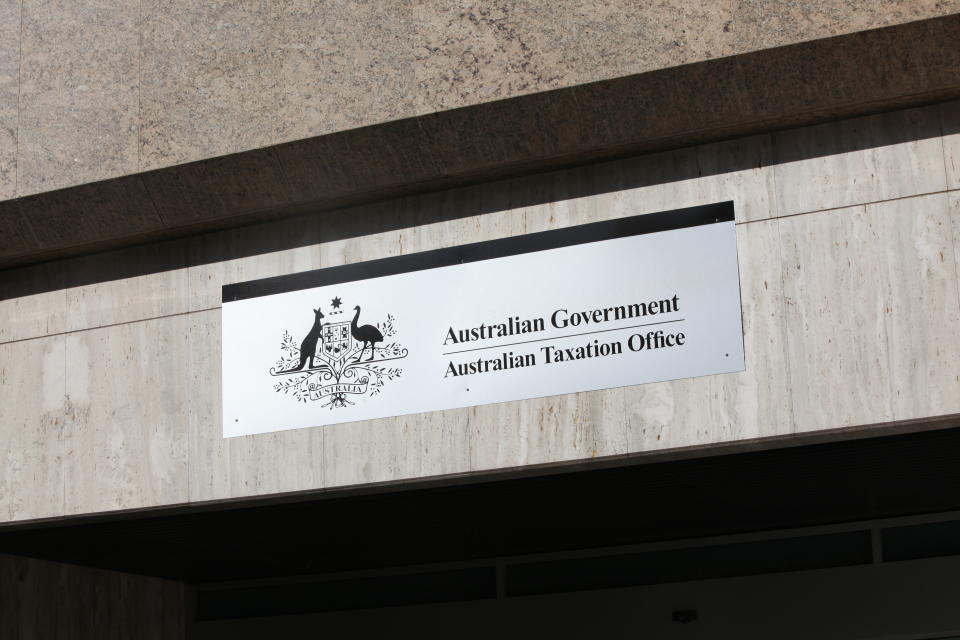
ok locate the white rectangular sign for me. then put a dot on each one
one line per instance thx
(603, 305)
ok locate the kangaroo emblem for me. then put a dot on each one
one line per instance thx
(308, 348)
(341, 375)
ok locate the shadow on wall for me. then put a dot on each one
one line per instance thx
(412, 211)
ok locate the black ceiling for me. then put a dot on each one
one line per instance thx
(746, 492)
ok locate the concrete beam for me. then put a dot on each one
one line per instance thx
(900, 66)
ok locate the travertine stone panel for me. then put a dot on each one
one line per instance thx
(759, 24)
(128, 396)
(736, 406)
(245, 466)
(838, 164)
(740, 170)
(568, 427)
(95, 297)
(372, 451)
(32, 302)
(872, 313)
(9, 95)
(953, 201)
(212, 79)
(470, 52)
(924, 356)
(498, 436)
(250, 253)
(78, 93)
(950, 118)
(32, 386)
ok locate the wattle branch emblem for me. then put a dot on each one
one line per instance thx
(329, 363)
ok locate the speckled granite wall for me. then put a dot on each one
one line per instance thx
(92, 89)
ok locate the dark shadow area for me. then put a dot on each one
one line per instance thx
(475, 200)
(565, 512)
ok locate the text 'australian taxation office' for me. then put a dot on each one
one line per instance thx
(563, 318)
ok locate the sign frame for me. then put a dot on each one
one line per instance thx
(338, 389)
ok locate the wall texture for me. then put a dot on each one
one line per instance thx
(94, 89)
(848, 240)
(40, 599)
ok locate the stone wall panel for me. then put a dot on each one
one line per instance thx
(32, 423)
(126, 434)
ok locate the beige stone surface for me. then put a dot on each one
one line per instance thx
(106, 89)
(950, 114)
(32, 402)
(924, 355)
(223, 258)
(9, 95)
(346, 64)
(372, 451)
(953, 202)
(96, 298)
(246, 466)
(126, 434)
(751, 404)
(471, 52)
(739, 170)
(79, 81)
(33, 302)
(838, 164)
(872, 313)
(759, 24)
(211, 79)
(220, 77)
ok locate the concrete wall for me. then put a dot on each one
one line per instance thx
(41, 599)
(848, 240)
(94, 89)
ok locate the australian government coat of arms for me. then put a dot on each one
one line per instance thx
(339, 361)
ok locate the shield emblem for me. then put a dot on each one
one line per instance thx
(337, 341)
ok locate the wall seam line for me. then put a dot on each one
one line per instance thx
(853, 205)
(948, 192)
(112, 324)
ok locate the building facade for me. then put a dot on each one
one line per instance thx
(153, 153)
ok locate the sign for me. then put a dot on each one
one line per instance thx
(622, 302)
